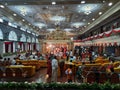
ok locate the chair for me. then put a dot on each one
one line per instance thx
(114, 78)
(9, 72)
(102, 69)
(18, 72)
(1, 73)
(91, 77)
(103, 77)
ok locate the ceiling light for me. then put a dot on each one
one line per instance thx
(110, 4)
(103, 1)
(23, 20)
(88, 23)
(84, 20)
(2, 6)
(14, 14)
(100, 13)
(71, 38)
(87, 12)
(68, 29)
(23, 11)
(88, 8)
(93, 19)
(57, 18)
(1, 20)
(40, 25)
(51, 29)
(77, 24)
(53, 3)
(82, 1)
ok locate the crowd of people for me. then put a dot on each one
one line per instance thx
(55, 61)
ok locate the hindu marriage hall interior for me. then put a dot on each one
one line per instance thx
(84, 34)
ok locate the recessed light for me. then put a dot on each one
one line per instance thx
(103, 1)
(53, 3)
(110, 4)
(93, 19)
(2, 6)
(100, 13)
(23, 20)
(14, 14)
(84, 20)
(82, 1)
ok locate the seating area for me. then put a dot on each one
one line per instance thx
(37, 63)
(97, 71)
(17, 71)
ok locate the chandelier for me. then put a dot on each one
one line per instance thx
(23, 11)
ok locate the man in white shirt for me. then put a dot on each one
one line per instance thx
(54, 69)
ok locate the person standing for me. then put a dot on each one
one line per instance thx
(68, 72)
(49, 70)
(67, 55)
(61, 65)
(54, 69)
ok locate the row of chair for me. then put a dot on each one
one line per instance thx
(102, 77)
(8, 73)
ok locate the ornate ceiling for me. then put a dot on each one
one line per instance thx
(73, 16)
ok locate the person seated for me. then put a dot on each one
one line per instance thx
(71, 58)
(36, 57)
(22, 57)
(74, 58)
(68, 72)
(13, 62)
(31, 56)
(110, 68)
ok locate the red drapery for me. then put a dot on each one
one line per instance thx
(108, 33)
(7, 46)
(34, 46)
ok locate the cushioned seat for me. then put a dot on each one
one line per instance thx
(91, 77)
(9, 72)
(103, 77)
(19, 73)
(114, 78)
(102, 69)
(1, 73)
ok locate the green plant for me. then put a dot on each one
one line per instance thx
(57, 86)
(9, 54)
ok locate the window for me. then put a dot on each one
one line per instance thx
(28, 39)
(33, 40)
(23, 38)
(12, 36)
(1, 34)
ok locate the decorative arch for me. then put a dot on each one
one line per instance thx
(1, 34)
(23, 38)
(28, 39)
(12, 36)
(33, 40)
